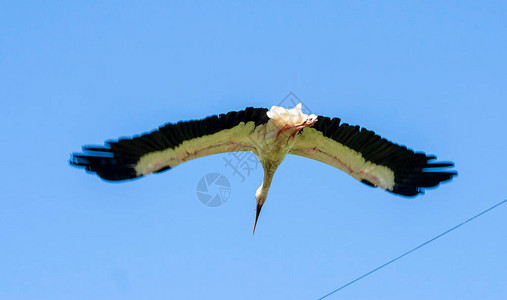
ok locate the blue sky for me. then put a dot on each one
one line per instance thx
(429, 75)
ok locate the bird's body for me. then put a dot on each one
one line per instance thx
(271, 135)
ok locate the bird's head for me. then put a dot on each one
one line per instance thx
(260, 197)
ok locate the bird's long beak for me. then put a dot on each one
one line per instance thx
(257, 212)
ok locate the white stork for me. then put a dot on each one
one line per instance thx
(271, 135)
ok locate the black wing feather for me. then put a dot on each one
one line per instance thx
(117, 159)
(412, 171)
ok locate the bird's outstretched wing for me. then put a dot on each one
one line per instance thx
(369, 158)
(171, 145)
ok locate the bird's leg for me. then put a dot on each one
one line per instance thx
(298, 127)
(306, 123)
(287, 126)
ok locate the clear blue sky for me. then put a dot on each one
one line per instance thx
(428, 75)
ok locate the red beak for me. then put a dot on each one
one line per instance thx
(257, 212)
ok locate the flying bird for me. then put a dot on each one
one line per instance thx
(271, 135)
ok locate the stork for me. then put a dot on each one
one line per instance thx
(271, 135)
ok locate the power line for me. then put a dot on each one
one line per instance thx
(412, 250)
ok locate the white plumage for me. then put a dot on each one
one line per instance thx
(271, 135)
